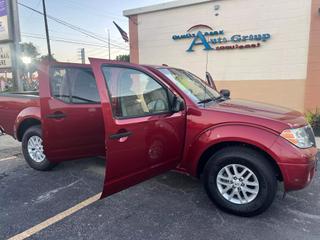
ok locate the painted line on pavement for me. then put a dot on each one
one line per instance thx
(60, 216)
(8, 158)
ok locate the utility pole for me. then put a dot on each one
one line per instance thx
(109, 44)
(82, 55)
(47, 29)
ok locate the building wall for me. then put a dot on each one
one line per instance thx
(276, 72)
(133, 36)
(312, 88)
(288, 93)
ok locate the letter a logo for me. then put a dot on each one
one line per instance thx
(202, 41)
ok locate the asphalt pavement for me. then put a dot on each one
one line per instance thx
(170, 206)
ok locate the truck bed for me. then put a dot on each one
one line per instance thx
(11, 104)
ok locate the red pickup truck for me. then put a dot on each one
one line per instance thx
(149, 119)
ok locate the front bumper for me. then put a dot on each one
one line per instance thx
(297, 176)
(298, 166)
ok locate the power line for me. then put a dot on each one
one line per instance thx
(100, 54)
(37, 5)
(78, 29)
(63, 33)
(69, 41)
(59, 37)
(97, 49)
(115, 42)
(62, 40)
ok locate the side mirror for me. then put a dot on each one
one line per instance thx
(177, 104)
(225, 93)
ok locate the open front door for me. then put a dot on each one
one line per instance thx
(143, 138)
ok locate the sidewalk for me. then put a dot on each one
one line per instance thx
(8, 142)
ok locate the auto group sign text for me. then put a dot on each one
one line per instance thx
(216, 40)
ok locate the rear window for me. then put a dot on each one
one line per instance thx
(74, 85)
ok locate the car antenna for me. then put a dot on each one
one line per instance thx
(205, 86)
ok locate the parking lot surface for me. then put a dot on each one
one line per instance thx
(170, 206)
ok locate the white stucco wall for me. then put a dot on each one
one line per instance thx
(282, 57)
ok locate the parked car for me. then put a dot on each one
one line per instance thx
(147, 120)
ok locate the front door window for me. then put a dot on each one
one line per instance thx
(134, 93)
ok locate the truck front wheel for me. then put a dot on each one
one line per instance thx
(32, 149)
(240, 180)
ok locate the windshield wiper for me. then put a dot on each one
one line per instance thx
(205, 100)
(219, 98)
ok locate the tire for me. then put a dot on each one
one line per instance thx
(34, 161)
(251, 196)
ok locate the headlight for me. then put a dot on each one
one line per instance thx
(301, 137)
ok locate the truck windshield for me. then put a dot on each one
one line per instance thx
(191, 85)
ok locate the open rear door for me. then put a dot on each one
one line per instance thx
(143, 138)
(71, 115)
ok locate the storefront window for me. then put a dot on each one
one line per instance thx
(29, 81)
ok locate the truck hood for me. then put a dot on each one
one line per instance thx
(263, 111)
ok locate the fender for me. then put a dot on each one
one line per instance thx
(258, 136)
(27, 113)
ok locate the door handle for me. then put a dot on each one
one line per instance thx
(120, 135)
(56, 115)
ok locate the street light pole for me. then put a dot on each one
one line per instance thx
(47, 30)
(16, 71)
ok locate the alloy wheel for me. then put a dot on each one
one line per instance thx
(35, 149)
(237, 184)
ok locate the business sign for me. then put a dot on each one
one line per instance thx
(4, 28)
(9, 34)
(5, 56)
(4, 32)
(3, 8)
(5, 47)
(211, 39)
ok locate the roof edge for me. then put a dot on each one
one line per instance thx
(163, 6)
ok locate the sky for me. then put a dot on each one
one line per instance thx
(95, 16)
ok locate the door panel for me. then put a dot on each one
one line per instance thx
(72, 129)
(142, 139)
(153, 147)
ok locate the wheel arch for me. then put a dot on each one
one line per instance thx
(216, 147)
(25, 125)
(27, 118)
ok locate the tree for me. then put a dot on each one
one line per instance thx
(46, 57)
(123, 58)
(28, 65)
(30, 52)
